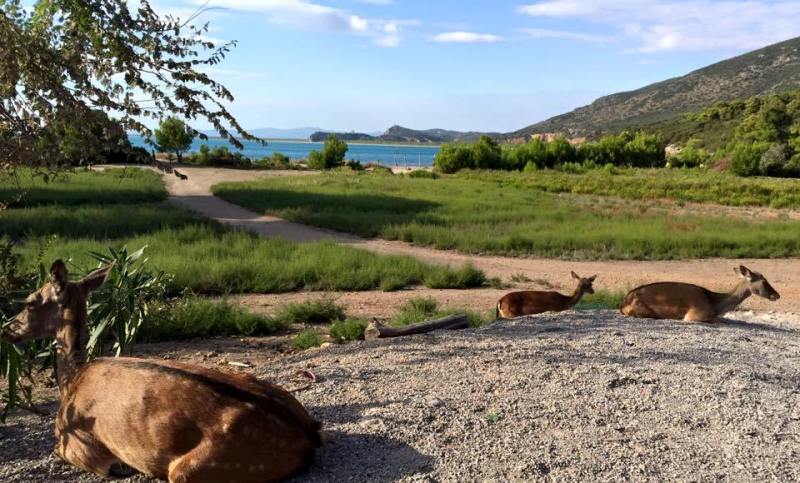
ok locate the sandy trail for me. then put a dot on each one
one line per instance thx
(195, 194)
(577, 396)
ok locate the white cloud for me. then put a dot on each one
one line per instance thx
(562, 34)
(466, 38)
(305, 15)
(673, 25)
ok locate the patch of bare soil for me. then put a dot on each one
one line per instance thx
(577, 396)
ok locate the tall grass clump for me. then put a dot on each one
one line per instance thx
(322, 311)
(349, 330)
(421, 309)
(601, 299)
(307, 339)
(195, 317)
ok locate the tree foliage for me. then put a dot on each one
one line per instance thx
(65, 64)
(174, 136)
(332, 155)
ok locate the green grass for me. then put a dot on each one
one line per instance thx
(194, 317)
(421, 309)
(510, 214)
(307, 339)
(203, 255)
(111, 186)
(349, 330)
(601, 299)
(323, 311)
(679, 185)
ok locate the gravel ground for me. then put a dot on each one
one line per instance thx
(577, 396)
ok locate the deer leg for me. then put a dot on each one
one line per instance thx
(636, 308)
(207, 464)
(700, 315)
(80, 449)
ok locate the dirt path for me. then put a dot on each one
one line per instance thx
(195, 194)
(577, 396)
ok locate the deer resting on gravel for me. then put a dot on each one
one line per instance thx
(531, 302)
(174, 421)
(675, 300)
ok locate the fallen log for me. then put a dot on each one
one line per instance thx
(376, 330)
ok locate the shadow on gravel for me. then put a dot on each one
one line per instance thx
(366, 457)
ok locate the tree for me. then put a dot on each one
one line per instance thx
(332, 155)
(486, 153)
(174, 136)
(63, 60)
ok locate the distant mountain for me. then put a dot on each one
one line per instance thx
(320, 136)
(399, 134)
(773, 69)
(275, 133)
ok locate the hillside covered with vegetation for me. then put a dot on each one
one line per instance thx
(773, 69)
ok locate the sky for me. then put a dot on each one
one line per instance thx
(486, 65)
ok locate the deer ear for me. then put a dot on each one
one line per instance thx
(592, 278)
(744, 272)
(575, 275)
(59, 274)
(96, 279)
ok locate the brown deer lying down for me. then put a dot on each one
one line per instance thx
(170, 420)
(531, 302)
(675, 300)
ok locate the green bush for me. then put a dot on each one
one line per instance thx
(322, 311)
(746, 158)
(348, 330)
(453, 157)
(332, 155)
(307, 339)
(276, 161)
(219, 156)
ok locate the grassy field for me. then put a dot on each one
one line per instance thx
(203, 255)
(509, 213)
(679, 185)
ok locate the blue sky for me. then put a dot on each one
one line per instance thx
(493, 65)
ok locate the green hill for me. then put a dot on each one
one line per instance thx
(773, 69)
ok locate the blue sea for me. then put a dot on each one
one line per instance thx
(385, 154)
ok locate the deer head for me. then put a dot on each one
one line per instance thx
(584, 284)
(757, 284)
(57, 304)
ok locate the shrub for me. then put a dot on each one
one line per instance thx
(348, 330)
(276, 161)
(332, 155)
(219, 156)
(486, 153)
(690, 156)
(423, 174)
(307, 339)
(453, 157)
(746, 158)
(773, 161)
(320, 311)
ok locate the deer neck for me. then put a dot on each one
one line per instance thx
(576, 296)
(726, 302)
(71, 341)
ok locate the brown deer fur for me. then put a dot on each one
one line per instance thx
(516, 304)
(170, 420)
(676, 300)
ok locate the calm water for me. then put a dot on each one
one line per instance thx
(386, 154)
